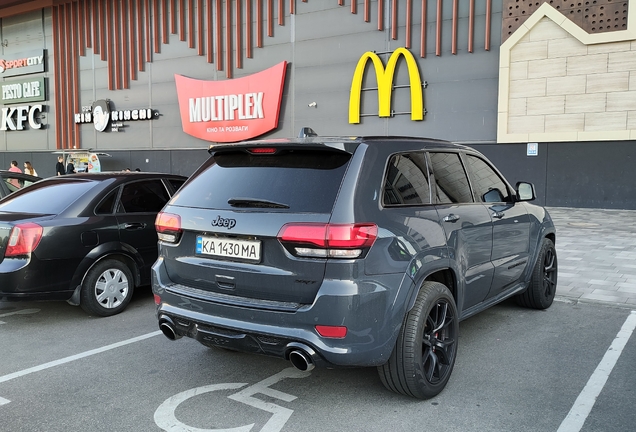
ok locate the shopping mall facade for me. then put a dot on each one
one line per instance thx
(546, 89)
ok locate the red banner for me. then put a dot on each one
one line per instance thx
(231, 110)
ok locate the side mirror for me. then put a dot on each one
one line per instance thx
(525, 191)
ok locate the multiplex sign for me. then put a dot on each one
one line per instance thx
(102, 116)
(29, 90)
(231, 110)
(384, 78)
(14, 118)
(23, 63)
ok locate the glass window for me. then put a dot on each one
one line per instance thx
(176, 183)
(106, 205)
(143, 197)
(451, 182)
(487, 182)
(299, 180)
(406, 181)
(12, 183)
(37, 197)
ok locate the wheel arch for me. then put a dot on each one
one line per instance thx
(445, 276)
(97, 256)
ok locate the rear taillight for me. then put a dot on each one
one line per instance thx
(334, 332)
(168, 227)
(262, 150)
(328, 240)
(23, 239)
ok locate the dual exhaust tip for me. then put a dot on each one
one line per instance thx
(301, 356)
(302, 360)
(167, 327)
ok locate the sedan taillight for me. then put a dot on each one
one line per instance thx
(168, 227)
(328, 240)
(23, 239)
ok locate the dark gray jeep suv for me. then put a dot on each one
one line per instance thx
(349, 252)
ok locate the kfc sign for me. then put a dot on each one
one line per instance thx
(231, 110)
(14, 118)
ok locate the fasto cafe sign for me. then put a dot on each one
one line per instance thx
(231, 110)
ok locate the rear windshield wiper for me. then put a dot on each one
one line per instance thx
(255, 203)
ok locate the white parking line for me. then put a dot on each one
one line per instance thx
(68, 359)
(20, 312)
(582, 407)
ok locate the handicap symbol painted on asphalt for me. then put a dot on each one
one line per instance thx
(166, 419)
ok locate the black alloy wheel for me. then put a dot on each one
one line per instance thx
(543, 283)
(425, 352)
(438, 342)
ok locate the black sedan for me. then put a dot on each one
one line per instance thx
(14, 181)
(88, 239)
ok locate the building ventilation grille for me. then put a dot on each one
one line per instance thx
(593, 16)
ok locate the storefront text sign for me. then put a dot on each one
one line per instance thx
(15, 118)
(231, 110)
(102, 116)
(22, 63)
(29, 90)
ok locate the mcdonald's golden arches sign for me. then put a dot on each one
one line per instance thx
(384, 77)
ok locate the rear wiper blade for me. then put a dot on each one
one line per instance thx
(255, 203)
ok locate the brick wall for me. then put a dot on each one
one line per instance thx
(557, 86)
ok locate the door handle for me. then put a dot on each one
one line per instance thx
(451, 218)
(498, 215)
(134, 226)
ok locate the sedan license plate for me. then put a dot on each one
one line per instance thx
(229, 248)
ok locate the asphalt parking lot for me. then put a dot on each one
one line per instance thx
(517, 369)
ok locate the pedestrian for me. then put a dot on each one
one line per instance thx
(14, 168)
(70, 168)
(59, 166)
(28, 169)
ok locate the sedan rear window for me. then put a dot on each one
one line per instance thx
(46, 197)
(297, 181)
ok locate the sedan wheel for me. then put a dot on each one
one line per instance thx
(424, 355)
(107, 288)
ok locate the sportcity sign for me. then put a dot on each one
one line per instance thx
(23, 63)
(231, 110)
(384, 78)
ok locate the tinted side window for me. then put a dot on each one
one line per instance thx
(450, 179)
(12, 183)
(487, 180)
(143, 196)
(37, 198)
(406, 181)
(106, 205)
(176, 183)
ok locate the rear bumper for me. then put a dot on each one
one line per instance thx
(371, 311)
(31, 279)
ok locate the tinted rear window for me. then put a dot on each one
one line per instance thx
(306, 181)
(46, 197)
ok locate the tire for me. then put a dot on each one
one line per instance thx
(424, 355)
(107, 288)
(542, 288)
